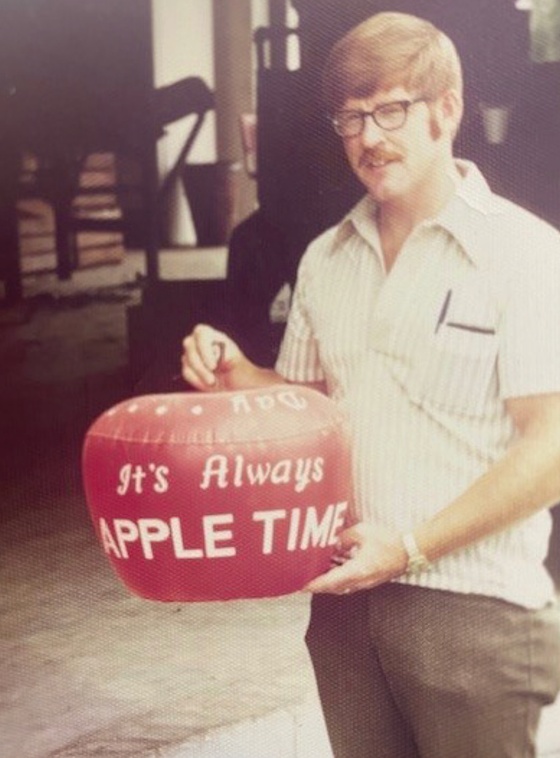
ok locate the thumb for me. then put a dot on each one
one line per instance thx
(349, 538)
(226, 353)
(219, 350)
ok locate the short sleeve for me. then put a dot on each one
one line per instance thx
(298, 359)
(529, 352)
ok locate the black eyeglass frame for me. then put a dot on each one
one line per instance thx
(405, 105)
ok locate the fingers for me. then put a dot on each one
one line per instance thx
(346, 575)
(350, 538)
(340, 580)
(348, 544)
(366, 555)
(204, 353)
(341, 556)
(353, 564)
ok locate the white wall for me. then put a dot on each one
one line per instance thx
(182, 42)
(259, 12)
(183, 46)
(182, 39)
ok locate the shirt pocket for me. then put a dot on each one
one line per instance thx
(454, 369)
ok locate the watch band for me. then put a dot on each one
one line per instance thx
(417, 561)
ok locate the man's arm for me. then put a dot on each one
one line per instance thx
(525, 480)
(212, 361)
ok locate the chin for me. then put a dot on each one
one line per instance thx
(382, 194)
(382, 189)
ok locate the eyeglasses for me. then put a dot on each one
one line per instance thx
(387, 116)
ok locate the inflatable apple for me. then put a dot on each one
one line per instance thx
(219, 496)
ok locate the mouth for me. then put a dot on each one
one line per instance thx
(379, 159)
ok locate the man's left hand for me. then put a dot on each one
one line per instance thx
(367, 555)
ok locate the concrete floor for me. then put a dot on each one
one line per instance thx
(86, 669)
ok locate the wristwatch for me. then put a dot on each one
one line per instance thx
(417, 561)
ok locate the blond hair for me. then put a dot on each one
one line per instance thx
(390, 50)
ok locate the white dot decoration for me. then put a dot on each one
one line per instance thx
(196, 410)
(133, 408)
(161, 410)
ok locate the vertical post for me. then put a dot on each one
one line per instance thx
(277, 21)
(149, 154)
(151, 205)
(11, 45)
(10, 265)
(233, 78)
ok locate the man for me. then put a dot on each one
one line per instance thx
(431, 312)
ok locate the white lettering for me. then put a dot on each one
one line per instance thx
(217, 466)
(238, 475)
(258, 473)
(125, 531)
(265, 402)
(162, 482)
(281, 472)
(292, 400)
(213, 535)
(338, 521)
(318, 470)
(151, 530)
(295, 516)
(133, 477)
(268, 518)
(303, 468)
(138, 476)
(178, 544)
(107, 540)
(315, 531)
(124, 479)
(240, 403)
(223, 472)
(289, 398)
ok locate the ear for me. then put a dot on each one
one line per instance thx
(451, 109)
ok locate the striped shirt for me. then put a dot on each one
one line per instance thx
(423, 359)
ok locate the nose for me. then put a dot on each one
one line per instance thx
(371, 133)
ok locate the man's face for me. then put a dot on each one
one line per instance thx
(400, 163)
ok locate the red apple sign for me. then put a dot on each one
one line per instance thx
(219, 496)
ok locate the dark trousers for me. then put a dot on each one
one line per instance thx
(408, 672)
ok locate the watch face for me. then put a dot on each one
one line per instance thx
(418, 564)
(416, 561)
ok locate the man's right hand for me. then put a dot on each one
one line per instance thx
(211, 359)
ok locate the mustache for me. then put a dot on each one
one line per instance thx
(379, 154)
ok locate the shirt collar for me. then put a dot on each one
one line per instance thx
(461, 217)
(464, 215)
(359, 220)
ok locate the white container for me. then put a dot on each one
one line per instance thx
(495, 119)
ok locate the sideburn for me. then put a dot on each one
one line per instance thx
(435, 128)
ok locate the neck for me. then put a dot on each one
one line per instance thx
(399, 217)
